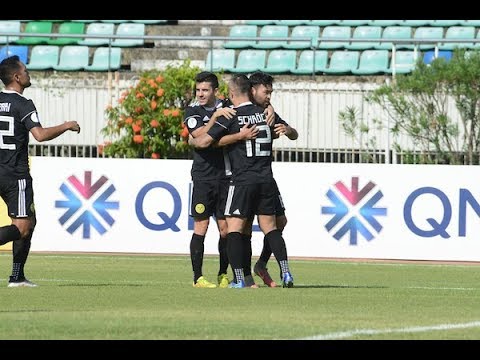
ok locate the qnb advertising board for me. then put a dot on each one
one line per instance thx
(414, 212)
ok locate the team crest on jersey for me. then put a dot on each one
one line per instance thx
(192, 122)
(200, 208)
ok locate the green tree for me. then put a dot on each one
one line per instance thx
(417, 104)
(148, 120)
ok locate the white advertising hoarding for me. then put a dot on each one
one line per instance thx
(414, 212)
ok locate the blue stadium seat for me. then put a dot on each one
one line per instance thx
(429, 56)
(11, 50)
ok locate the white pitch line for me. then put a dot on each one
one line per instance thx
(415, 329)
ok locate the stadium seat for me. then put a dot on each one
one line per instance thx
(241, 31)
(385, 23)
(303, 31)
(36, 27)
(475, 23)
(429, 56)
(403, 62)
(426, 33)
(308, 65)
(73, 58)
(11, 50)
(323, 22)
(365, 32)
(415, 22)
(458, 33)
(272, 32)
(68, 28)
(353, 22)
(97, 28)
(250, 61)
(132, 29)
(397, 33)
(446, 23)
(106, 59)
(291, 22)
(335, 32)
(372, 62)
(11, 26)
(220, 60)
(281, 61)
(43, 57)
(343, 62)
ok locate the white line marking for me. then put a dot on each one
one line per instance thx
(415, 329)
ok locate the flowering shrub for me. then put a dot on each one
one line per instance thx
(148, 120)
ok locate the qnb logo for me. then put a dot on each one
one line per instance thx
(88, 205)
(355, 212)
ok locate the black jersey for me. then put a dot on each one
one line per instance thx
(17, 116)
(211, 163)
(251, 160)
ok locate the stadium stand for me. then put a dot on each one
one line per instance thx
(11, 26)
(43, 57)
(105, 59)
(281, 61)
(220, 60)
(66, 28)
(73, 58)
(311, 62)
(272, 31)
(36, 27)
(98, 28)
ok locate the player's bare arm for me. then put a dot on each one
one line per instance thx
(288, 131)
(48, 133)
(201, 142)
(246, 133)
(270, 112)
(227, 112)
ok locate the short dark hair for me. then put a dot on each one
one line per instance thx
(260, 78)
(240, 83)
(8, 67)
(207, 76)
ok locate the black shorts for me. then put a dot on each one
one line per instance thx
(246, 201)
(279, 206)
(208, 198)
(18, 196)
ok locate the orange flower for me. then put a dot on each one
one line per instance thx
(138, 109)
(154, 123)
(160, 92)
(184, 133)
(136, 128)
(129, 121)
(166, 112)
(139, 122)
(159, 79)
(175, 112)
(139, 95)
(137, 139)
(100, 149)
(153, 104)
(155, 156)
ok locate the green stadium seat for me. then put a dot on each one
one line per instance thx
(11, 26)
(365, 32)
(372, 62)
(43, 57)
(11, 50)
(458, 33)
(272, 32)
(98, 28)
(106, 59)
(403, 62)
(249, 61)
(395, 33)
(335, 32)
(323, 22)
(281, 61)
(66, 28)
(291, 22)
(36, 27)
(343, 62)
(303, 31)
(385, 23)
(308, 65)
(130, 29)
(426, 33)
(241, 31)
(220, 60)
(73, 58)
(446, 23)
(353, 22)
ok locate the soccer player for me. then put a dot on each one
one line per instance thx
(262, 89)
(252, 190)
(18, 118)
(210, 176)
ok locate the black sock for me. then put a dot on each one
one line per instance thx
(235, 254)
(277, 244)
(222, 250)
(9, 233)
(266, 251)
(247, 254)
(21, 249)
(196, 255)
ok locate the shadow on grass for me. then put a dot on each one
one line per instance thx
(102, 285)
(337, 287)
